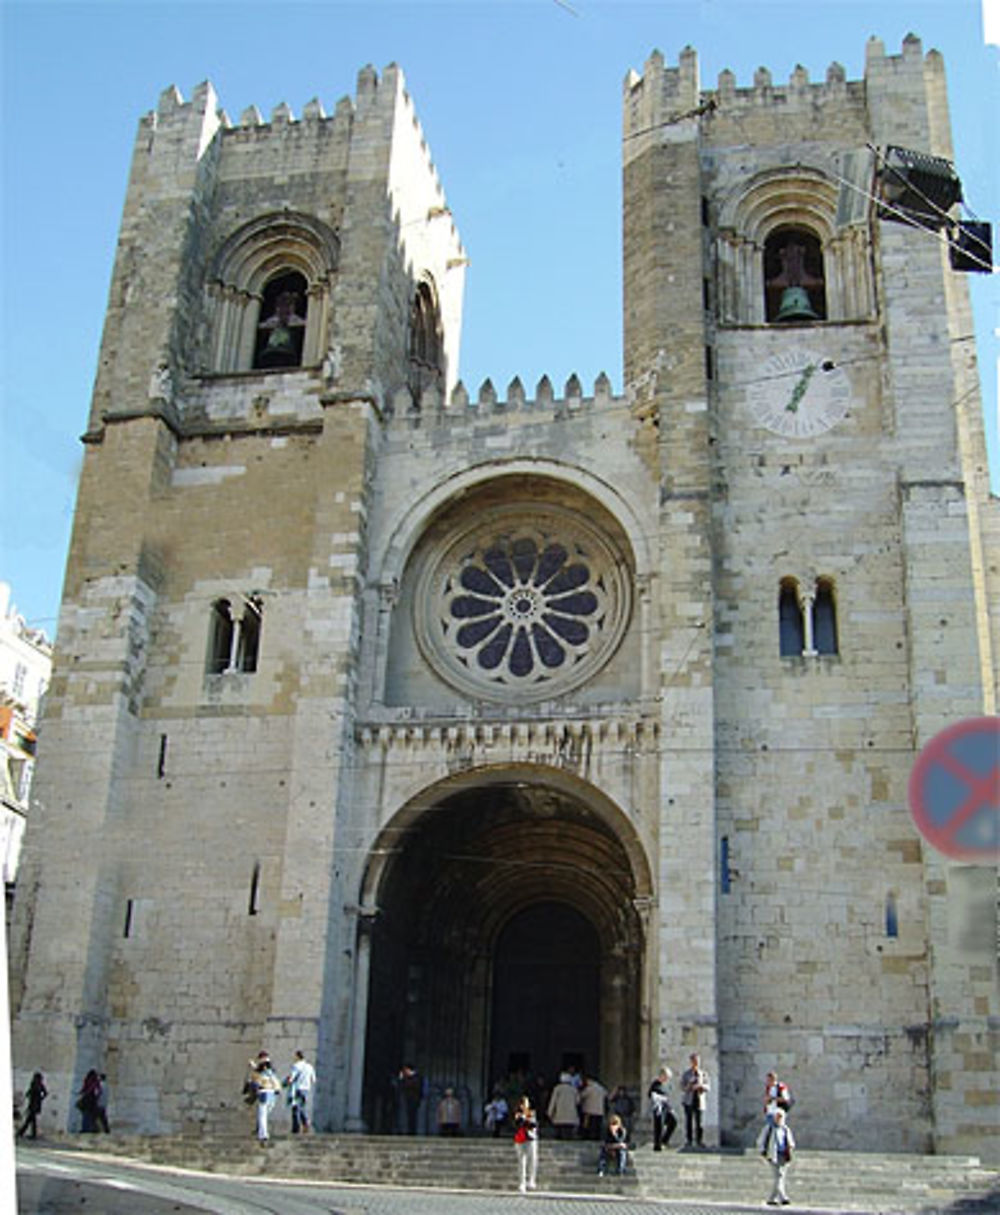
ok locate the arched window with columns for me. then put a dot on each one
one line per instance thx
(426, 340)
(784, 231)
(807, 620)
(270, 292)
(234, 635)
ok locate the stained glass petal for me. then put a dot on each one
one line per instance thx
(550, 562)
(475, 579)
(568, 579)
(521, 660)
(491, 655)
(464, 606)
(583, 603)
(549, 650)
(497, 562)
(573, 631)
(524, 553)
(476, 631)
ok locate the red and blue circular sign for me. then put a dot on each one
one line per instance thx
(955, 791)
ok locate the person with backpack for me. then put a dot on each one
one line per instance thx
(777, 1143)
(777, 1096)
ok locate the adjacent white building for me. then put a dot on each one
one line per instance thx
(25, 669)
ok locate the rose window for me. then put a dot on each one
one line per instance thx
(524, 607)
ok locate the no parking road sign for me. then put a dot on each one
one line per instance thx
(955, 791)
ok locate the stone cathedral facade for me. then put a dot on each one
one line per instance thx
(506, 729)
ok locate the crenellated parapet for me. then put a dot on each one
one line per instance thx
(487, 403)
(374, 94)
(663, 102)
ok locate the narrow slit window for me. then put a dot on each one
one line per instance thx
(161, 762)
(220, 638)
(891, 916)
(249, 642)
(724, 875)
(254, 904)
(824, 612)
(791, 627)
(129, 912)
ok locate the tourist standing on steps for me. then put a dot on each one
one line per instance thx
(564, 1107)
(300, 1081)
(36, 1093)
(593, 1103)
(664, 1118)
(526, 1144)
(268, 1088)
(496, 1111)
(776, 1096)
(411, 1090)
(87, 1101)
(694, 1087)
(777, 1143)
(103, 1097)
(449, 1114)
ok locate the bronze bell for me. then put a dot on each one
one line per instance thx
(795, 306)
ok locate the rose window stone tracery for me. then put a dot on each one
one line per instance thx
(525, 605)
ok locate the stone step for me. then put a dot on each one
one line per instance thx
(871, 1181)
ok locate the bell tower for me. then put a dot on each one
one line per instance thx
(804, 360)
(280, 287)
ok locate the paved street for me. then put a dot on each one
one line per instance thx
(51, 1182)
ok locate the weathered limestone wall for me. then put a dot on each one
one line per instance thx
(177, 903)
(814, 753)
(666, 375)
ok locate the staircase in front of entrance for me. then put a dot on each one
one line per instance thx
(842, 1181)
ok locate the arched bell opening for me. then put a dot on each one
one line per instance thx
(507, 938)
(794, 276)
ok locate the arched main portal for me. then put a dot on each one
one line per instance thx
(507, 937)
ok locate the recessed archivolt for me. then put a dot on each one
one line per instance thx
(592, 865)
(790, 197)
(257, 253)
(778, 198)
(251, 255)
(603, 499)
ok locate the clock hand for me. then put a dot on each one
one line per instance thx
(800, 389)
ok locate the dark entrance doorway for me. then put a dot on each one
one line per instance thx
(546, 993)
(507, 937)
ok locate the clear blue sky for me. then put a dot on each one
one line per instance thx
(521, 105)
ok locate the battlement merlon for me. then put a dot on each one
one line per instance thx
(904, 96)
(487, 404)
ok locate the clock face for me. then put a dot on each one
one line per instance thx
(799, 394)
